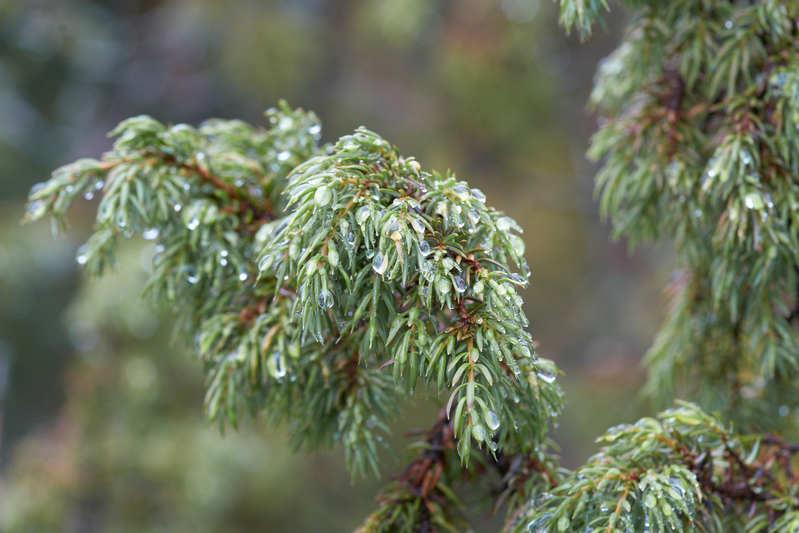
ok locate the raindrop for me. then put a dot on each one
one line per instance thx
(35, 209)
(284, 155)
(315, 130)
(89, 195)
(322, 196)
(192, 278)
(243, 276)
(751, 201)
(280, 366)
(37, 187)
(650, 500)
(83, 255)
(517, 243)
(285, 123)
(325, 299)
(461, 191)
(351, 239)
(265, 263)
(150, 234)
(363, 214)
(492, 420)
(460, 284)
(417, 225)
(223, 261)
(783, 410)
(478, 194)
(504, 223)
(546, 376)
(379, 263)
(193, 224)
(424, 248)
(478, 287)
(728, 24)
(177, 208)
(332, 257)
(443, 286)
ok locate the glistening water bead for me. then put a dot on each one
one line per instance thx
(492, 420)
(325, 299)
(322, 196)
(379, 263)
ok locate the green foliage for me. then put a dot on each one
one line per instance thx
(673, 473)
(700, 143)
(321, 284)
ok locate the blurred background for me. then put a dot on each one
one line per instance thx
(101, 424)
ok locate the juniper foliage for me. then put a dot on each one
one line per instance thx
(323, 283)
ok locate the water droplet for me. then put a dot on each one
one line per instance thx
(284, 155)
(783, 410)
(322, 196)
(517, 243)
(492, 420)
(243, 276)
(285, 123)
(478, 287)
(363, 214)
(443, 286)
(121, 220)
(752, 201)
(99, 185)
(461, 191)
(428, 271)
(460, 284)
(193, 224)
(150, 234)
(36, 188)
(479, 196)
(325, 299)
(546, 376)
(192, 278)
(264, 263)
(223, 261)
(35, 209)
(505, 223)
(417, 225)
(728, 24)
(424, 248)
(379, 263)
(177, 208)
(441, 209)
(315, 130)
(83, 255)
(332, 257)
(89, 195)
(479, 432)
(650, 500)
(280, 365)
